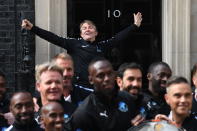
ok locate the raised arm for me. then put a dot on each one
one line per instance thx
(27, 24)
(125, 33)
(47, 35)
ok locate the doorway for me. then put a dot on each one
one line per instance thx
(111, 16)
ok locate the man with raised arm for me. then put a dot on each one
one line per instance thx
(85, 49)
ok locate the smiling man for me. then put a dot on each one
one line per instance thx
(179, 97)
(52, 116)
(22, 107)
(158, 74)
(49, 82)
(85, 49)
(130, 78)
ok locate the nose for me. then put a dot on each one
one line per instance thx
(165, 78)
(183, 99)
(60, 118)
(66, 72)
(135, 83)
(53, 85)
(23, 109)
(107, 78)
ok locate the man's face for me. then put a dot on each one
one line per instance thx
(54, 118)
(50, 85)
(159, 78)
(88, 32)
(22, 108)
(2, 87)
(68, 73)
(102, 76)
(131, 81)
(179, 97)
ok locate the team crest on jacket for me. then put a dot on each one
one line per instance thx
(123, 106)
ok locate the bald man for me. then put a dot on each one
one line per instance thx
(52, 116)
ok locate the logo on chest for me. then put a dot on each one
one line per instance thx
(122, 106)
(84, 46)
(103, 114)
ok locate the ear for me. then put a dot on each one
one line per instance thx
(90, 80)
(96, 33)
(194, 80)
(10, 108)
(80, 32)
(167, 99)
(149, 76)
(119, 82)
(38, 86)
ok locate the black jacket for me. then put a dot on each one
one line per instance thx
(94, 115)
(69, 108)
(31, 127)
(190, 123)
(83, 52)
(79, 93)
(194, 105)
(154, 105)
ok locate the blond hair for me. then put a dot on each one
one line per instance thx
(48, 66)
(63, 56)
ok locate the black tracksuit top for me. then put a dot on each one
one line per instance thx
(190, 123)
(94, 115)
(31, 127)
(83, 52)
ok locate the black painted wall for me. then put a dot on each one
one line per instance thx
(14, 46)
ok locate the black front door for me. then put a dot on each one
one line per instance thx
(111, 16)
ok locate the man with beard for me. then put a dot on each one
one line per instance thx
(107, 108)
(130, 78)
(52, 117)
(22, 107)
(158, 74)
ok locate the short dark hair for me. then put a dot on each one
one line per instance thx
(155, 64)
(96, 60)
(176, 80)
(126, 66)
(20, 92)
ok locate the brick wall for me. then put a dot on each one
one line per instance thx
(12, 43)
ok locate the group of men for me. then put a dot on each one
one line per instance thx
(107, 107)
(86, 94)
